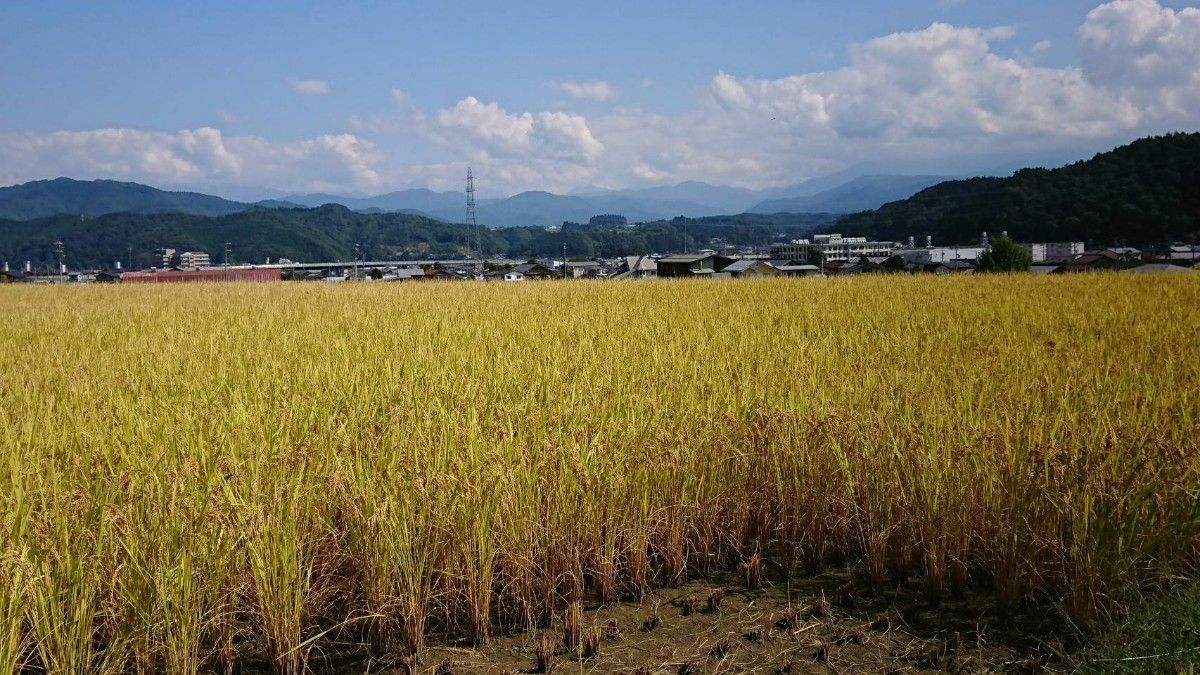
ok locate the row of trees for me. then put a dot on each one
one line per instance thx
(334, 232)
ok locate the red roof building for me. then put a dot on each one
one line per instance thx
(209, 274)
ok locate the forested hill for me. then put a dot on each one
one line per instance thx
(330, 232)
(43, 198)
(1147, 192)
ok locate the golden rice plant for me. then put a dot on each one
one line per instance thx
(199, 478)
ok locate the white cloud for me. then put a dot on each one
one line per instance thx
(943, 81)
(309, 87)
(192, 157)
(569, 131)
(489, 125)
(1042, 45)
(939, 92)
(487, 128)
(1149, 52)
(596, 90)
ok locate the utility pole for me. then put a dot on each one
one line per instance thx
(228, 248)
(357, 255)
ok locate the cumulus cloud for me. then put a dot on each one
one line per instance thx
(927, 94)
(309, 87)
(596, 90)
(192, 157)
(1150, 52)
(489, 125)
(489, 129)
(943, 81)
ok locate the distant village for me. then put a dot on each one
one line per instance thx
(817, 256)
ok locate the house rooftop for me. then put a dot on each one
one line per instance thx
(741, 265)
(640, 263)
(686, 258)
(1159, 268)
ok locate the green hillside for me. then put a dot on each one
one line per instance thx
(1144, 193)
(43, 198)
(331, 232)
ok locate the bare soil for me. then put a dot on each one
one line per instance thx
(820, 625)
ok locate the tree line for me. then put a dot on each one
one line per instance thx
(333, 232)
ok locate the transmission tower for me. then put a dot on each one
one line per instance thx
(472, 222)
(60, 252)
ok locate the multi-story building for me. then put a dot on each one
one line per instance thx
(1060, 251)
(187, 260)
(830, 247)
(194, 259)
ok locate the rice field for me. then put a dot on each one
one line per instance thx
(198, 478)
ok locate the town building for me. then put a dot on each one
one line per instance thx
(1159, 268)
(9, 276)
(1125, 253)
(1060, 251)
(748, 268)
(692, 265)
(1090, 262)
(951, 267)
(829, 247)
(209, 274)
(190, 260)
(184, 260)
(637, 267)
(792, 268)
(933, 255)
(403, 274)
(582, 269)
(437, 273)
(535, 271)
(1184, 252)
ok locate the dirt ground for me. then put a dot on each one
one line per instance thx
(815, 626)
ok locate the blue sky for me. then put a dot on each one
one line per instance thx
(367, 97)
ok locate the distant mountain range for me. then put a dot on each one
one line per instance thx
(692, 199)
(1140, 194)
(839, 193)
(860, 194)
(42, 198)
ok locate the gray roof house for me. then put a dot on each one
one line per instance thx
(1159, 268)
(747, 268)
(637, 267)
(692, 265)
